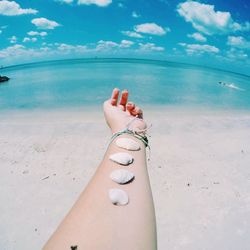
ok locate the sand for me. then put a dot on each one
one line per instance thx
(199, 170)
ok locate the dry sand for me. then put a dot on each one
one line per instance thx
(199, 170)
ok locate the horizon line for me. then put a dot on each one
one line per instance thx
(152, 61)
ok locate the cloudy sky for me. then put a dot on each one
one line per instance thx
(214, 32)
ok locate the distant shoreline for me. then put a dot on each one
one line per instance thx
(96, 110)
(120, 60)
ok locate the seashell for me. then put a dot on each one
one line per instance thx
(121, 176)
(122, 158)
(128, 144)
(118, 197)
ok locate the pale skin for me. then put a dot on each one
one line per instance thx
(94, 223)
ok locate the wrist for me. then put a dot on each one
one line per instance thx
(132, 134)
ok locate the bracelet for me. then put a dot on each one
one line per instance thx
(142, 138)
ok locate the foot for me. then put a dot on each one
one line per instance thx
(119, 113)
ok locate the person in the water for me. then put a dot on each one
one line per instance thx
(222, 83)
(231, 85)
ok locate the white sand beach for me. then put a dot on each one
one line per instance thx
(199, 170)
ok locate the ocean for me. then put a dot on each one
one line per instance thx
(88, 82)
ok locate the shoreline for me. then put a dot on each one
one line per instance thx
(148, 109)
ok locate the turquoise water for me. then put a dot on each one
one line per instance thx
(74, 83)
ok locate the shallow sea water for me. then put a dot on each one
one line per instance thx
(80, 82)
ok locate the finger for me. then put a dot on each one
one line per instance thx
(137, 112)
(114, 96)
(130, 106)
(124, 99)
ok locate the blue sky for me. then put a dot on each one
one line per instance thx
(211, 33)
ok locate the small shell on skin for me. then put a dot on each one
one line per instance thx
(121, 176)
(122, 158)
(118, 197)
(128, 144)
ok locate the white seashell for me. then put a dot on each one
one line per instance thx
(118, 197)
(121, 176)
(128, 144)
(121, 158)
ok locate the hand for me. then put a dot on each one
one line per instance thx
(119, 114)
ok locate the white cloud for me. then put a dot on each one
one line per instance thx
(108, 45)
(19, 53)
(65, 1)
(2, 28)
(67, 48)
(27, 39)
(126, 44)
(44, 23)
(238, 42)
(11, 51)
(13, 39)
(151, 28)
(100, 3)
(132, 34)
(120, 5)
(135, 15)
(150, 47)
(199, 48)
(43, 33)
(198, 37)
(36, 33)
(11, 8)
(45, 49)
(236, 54)
(205, 19)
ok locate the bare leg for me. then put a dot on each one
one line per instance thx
(94, 222)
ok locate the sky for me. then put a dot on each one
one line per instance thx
(214, 33)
